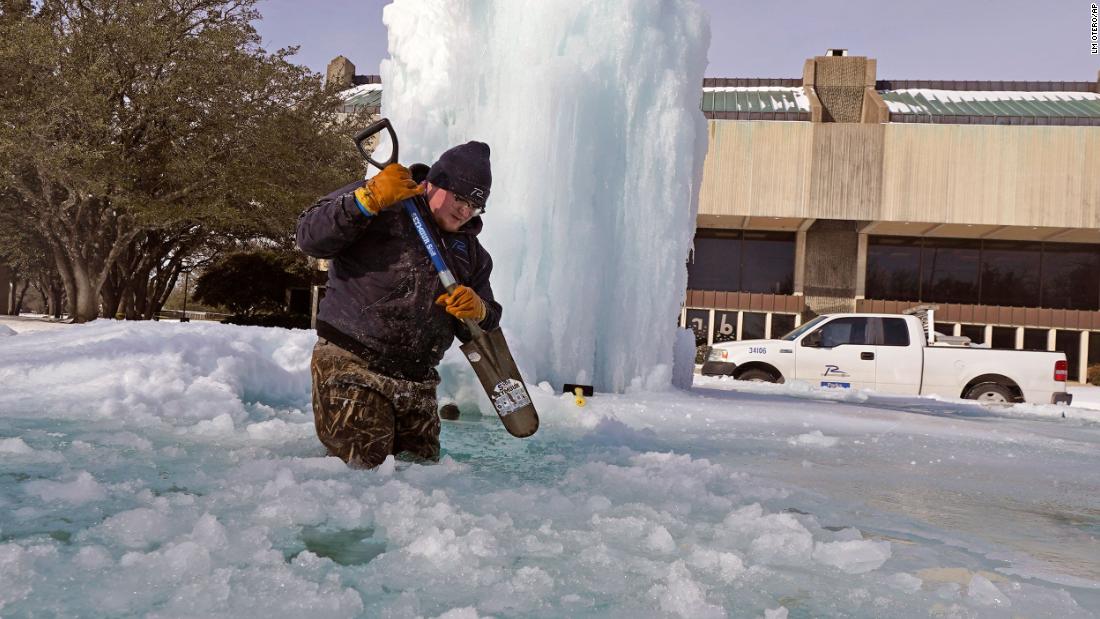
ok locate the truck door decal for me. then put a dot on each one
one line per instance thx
(834, 370)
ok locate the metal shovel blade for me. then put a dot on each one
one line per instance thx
(499, 376)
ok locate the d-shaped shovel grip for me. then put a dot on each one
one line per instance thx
(365, 134)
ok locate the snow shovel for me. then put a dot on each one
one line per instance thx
(487, 352)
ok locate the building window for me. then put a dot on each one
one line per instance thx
(715, 263)
(1035, 339)
(725, 327)
(1094, 354)
(767, 262)
(1010, 273)
(976, 333)
(949, 270)
(893, 269)
(742, 261)
(782, 324)
(699, 322)
(1004, 338)
(752, 325)
(1004, 273)
(1069, 276)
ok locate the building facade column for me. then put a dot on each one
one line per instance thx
(861, 267)
(831, 265)
(1083, 358)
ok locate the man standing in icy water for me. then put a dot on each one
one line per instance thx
(385, 320)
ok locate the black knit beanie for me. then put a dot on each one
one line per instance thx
(464, 170)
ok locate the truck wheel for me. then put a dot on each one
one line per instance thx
(993, 393)
(757, 376)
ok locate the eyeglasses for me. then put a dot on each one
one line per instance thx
(467, 209)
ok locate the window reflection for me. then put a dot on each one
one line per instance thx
(845, 331)
(1035, 339)
(752, 325)
(715, 264)
(972, 271)
(1010, 273)
(1004, 338)
(742, 261)
(949, 269)
(1070, 278)
(781, 325)
(767, 262)
(895, 332)
(893, 269)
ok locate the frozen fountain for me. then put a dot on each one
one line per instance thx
(592, 113)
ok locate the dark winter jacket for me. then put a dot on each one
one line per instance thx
(382, 287)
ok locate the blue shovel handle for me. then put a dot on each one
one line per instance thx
(445, 275)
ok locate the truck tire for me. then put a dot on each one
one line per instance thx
(757, 376)
(993, 393)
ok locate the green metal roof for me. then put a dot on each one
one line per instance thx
(992, 103)
(782, 102)
(365, 95)
(759, 99)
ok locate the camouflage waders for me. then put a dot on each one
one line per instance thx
(362, 416)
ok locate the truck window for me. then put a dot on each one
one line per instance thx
(793, 335)
(895, 332)
(854, 330)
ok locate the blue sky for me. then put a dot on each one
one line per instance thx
(931, 39)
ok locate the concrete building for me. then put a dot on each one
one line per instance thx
(838, 191)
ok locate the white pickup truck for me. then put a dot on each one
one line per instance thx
(893, 353)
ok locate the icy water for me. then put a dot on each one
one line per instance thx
(574, 522)
(188, 482)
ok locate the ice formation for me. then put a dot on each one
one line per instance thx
(187, 481)
(592, 113)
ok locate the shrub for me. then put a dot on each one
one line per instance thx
(252, 283)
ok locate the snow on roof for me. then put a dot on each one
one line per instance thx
(921, 101)
(991, 102)
(360, 89)
(362, 96)
(756, 99)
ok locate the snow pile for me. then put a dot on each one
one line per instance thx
(202, 378)
(170, 470)
(6, 331)
(595, 188)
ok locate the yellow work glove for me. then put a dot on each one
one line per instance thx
(463, 303)
(390, 186)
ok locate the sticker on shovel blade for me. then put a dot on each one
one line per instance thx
(509, 396)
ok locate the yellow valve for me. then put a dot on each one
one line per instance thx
(578, 396)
